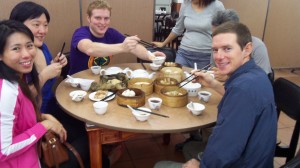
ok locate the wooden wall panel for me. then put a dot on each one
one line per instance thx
(282, 33)
(252, 13)
(64, 20)
(134, 17)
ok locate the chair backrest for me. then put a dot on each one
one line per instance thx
(271, 76)
(287, 98)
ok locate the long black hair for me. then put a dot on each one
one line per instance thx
(7, 28)
(28, 10)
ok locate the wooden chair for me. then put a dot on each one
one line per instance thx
(287, 98)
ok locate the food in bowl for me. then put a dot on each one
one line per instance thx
(100, 94)
(173, 93)
(167, 81)
(128, 93)
(77, 95)
(142, 83)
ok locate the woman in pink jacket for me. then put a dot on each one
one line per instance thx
(19, 115)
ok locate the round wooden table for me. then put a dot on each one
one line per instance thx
(118, 123)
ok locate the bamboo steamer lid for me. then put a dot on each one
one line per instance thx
(147, 88)
(158, 84)
(136, 101)
(174, 101)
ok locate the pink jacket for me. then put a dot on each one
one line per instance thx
(19, 130)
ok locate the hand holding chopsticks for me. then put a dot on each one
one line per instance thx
(146, 44)
(192, 75)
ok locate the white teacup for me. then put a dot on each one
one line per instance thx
(204, 95)
(100, 107)
(154, 103)
(154, 67)
(159, 60)
(85, 84)
(96, 69)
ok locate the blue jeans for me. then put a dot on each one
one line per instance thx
(188, 58)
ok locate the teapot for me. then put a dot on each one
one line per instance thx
(114, 70)
(140, 73)
(173, 72)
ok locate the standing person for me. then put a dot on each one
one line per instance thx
(20, 129)
(95, 44)
(37, 19)
(245, 131)
(195, 21)
(259, 53)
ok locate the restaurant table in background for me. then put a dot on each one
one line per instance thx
(118, 123)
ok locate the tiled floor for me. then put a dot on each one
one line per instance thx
(146, 150)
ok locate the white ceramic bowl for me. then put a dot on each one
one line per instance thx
(100, 107)
(154, 67)
(154, 103)
(191, 88)
(141, 116)
(197, 108)
(159, 60)
(96, 69)
(85, 84)
(204, 96)
(77, 95)
(74, 82)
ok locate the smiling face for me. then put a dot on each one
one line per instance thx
(19, 53)
(39, 29)
(228, 54)
(99, 21)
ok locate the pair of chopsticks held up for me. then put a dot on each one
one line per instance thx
(145, 43)
(206, 66)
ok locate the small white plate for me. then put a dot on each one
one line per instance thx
(92, 95)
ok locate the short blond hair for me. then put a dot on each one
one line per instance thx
(100, 4)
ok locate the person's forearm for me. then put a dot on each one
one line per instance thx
(101, 49)
(169, 39)
(218, 87)
(140, 52)
(42, 79)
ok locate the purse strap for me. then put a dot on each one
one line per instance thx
(74, 151)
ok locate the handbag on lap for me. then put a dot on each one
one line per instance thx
(54, 152)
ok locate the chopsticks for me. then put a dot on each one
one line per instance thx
(143, 65)
(105, 98)
(146, 111)
(145, 43)
(62, 49)
(192, 75)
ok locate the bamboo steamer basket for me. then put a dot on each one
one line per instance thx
(174, 101)
(172, 72)
(147, 88)
(158, 85)
(136, 101)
